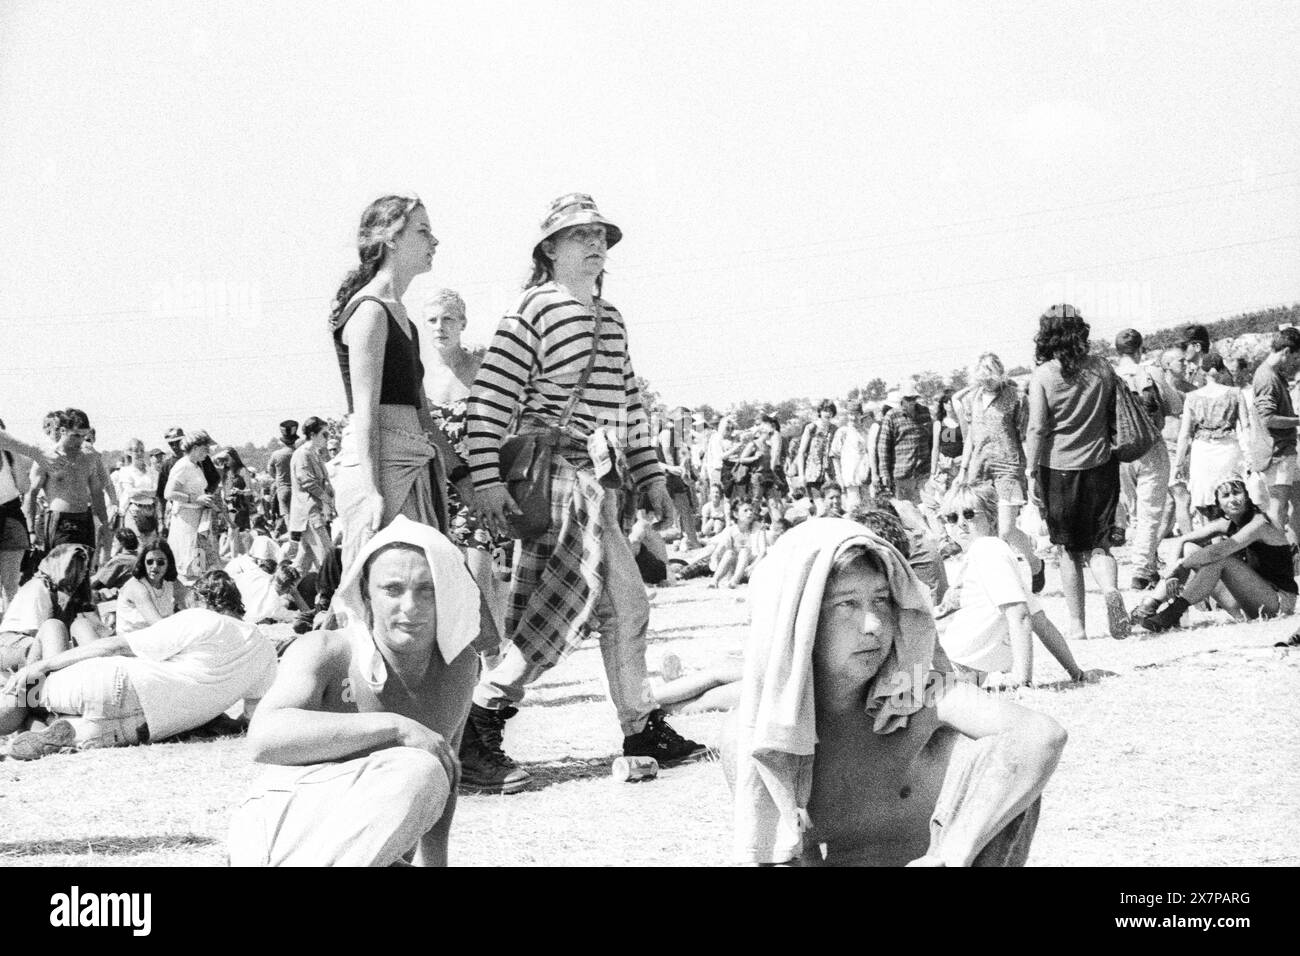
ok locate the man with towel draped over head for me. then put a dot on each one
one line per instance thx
(853, 743)
(364, 721)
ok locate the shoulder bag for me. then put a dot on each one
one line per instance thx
(526, 458)
(1135, 433)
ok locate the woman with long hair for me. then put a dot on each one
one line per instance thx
(392, 459)
(814, 463)
(193, 507)
(1073, 472)
(153, 592)
(237, 492)
(1246, 568)
(993, 451)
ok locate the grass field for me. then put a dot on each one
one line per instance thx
(1189, 756)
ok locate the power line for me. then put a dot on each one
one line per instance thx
(323, 301)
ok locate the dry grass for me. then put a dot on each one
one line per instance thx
(1187, 757)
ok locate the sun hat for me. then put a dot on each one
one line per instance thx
(175, 433)
(575, 209)
(908, 390)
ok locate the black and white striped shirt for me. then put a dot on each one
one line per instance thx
(532, 366)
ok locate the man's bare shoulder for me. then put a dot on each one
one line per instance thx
(317, 650)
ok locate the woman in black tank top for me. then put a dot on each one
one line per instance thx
(1248, 569)
(392, 459)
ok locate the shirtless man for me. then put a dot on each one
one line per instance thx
(944, 775)
(364, 722)
(74, 490)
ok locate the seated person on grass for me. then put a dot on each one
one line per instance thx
(118, 569)
(153, 593)
(853, 744)
(1246, 568)
(734, 552)
(42, 619)
(171, 677)
(364, 721)
(991, 632)
(714, 514)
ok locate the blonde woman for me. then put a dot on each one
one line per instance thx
(992, 631)
(994, 451)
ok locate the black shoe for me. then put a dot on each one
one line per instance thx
(1141, 582)
(1167, 618)
(484, 766)
(1116, 537)
(660, 741)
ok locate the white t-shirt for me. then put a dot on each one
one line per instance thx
(133, 484)
(257, 590)
(978, 635)
(30, 608)
(851, 446)
(195, 664)
(135, 601)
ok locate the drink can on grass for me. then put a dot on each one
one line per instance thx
(632, 769)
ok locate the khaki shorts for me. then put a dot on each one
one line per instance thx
(1281, 472)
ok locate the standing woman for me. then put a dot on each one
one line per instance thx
(1073, 472)
(994, 453)
(948, 445)
(675, 456)
(237, 492)
(814, 464)
(392, 459)
(192, 509)
(1208, 435)
(137, 484)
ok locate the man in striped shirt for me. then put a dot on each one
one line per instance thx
(581, 573)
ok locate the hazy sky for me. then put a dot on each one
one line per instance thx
(809, 199)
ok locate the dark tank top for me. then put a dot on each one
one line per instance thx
(403, 371)
(1272, 562)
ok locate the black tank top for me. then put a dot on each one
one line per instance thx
(1272, 563)
(403, 371)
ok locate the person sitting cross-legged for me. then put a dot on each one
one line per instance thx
(362, 726)
(1246, 568)
(151, 684)
(853, 744)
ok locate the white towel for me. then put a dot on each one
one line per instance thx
(456, 594)
(776, 723)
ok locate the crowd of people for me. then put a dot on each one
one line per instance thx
(479, 517)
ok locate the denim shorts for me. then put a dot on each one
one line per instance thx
(98, 699)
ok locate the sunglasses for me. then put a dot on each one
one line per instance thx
(968, 513)
(160, 563)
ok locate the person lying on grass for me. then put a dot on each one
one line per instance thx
(853, 743)
(1246, 568)
(364, 721)
(151, 684)
(992, 631)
